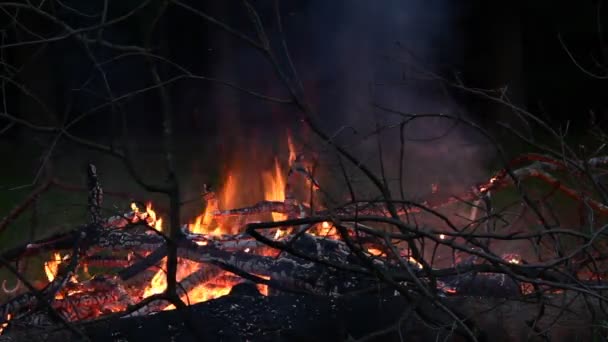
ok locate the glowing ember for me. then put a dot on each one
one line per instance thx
(375, 251)
(326, 229)
(485, 188)
(434, 188)
(415, 262)
(205, 292)
(450, 290)
(281, 233)
(261, 287)
(5, 324)
(512, 258)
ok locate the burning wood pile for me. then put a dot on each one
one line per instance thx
(114, 266)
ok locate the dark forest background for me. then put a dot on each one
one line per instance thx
(340, 49)
(546, 56)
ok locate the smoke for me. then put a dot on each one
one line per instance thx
(358, 54)
(350, 56)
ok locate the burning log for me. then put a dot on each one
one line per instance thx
(284, 271)
(150, 260)
(91, 304)
(263, 207)
(229, 253)
(198, 278)
(125, 240)
(24, 303)
(480, 284)
(108, 261)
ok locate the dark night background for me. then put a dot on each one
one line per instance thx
(349, 55)
(340, 48)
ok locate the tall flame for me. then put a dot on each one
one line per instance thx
(158, 284)
(274, 188)
(292, 150)
(229, 192)
(202, 223)
(273, 180)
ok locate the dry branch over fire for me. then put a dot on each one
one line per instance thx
(322, 252)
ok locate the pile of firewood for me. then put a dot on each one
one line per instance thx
(322, 252)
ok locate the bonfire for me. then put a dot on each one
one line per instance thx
(118, 265)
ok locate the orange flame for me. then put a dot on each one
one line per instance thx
(197, 226)
(274, 188)
(207, 292)
(201, 293)
(158, 284)
(229, 192)
(51, 266)
(149, 216)
(274, 184)
(263, 288)
(512, 258)
(292, 150)
(153, 221)
(202, 223)
(326, 230)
